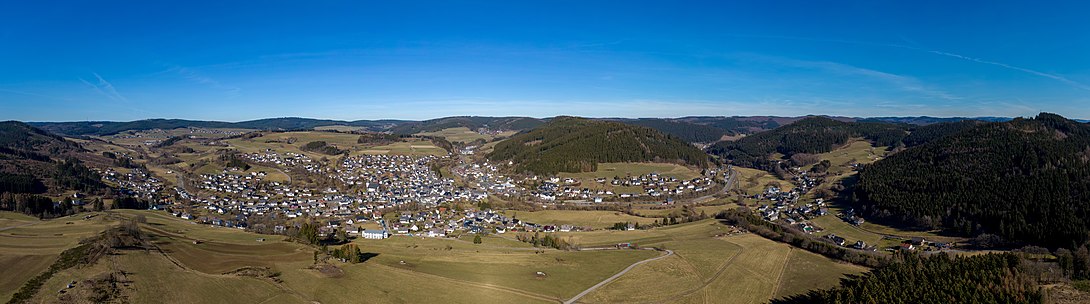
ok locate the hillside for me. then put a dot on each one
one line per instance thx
(34, 161)
(810, 135)
(1027, 181)
(471, 122)
(570, 144)
(687, 131)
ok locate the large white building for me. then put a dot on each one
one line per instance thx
(375, 234)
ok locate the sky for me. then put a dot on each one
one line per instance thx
(352, 60)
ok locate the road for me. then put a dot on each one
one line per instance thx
(729, 184)
(614, 277)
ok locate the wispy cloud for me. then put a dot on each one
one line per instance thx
(915, 47)
(1016, 68)
(105, 88)
(197, 77)
(901, 82)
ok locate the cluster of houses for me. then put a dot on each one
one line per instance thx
(486, 176)
(137, 183)
(654, 185)
(435, 222)
(287, 159)
(401, 179)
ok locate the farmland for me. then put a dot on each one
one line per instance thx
(464, 135)
(28, 246)
(593, 219)
(712, 265)
(497, 271)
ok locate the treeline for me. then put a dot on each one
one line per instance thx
(928, 133)
(547, 240)
(21, 183)
(746, 219)
(72, 174)
(322, 147)
(470, 122)
(812, 135)
(939, 278)
(1026, 181)
(231, 159)
(570, 144)
(686, 131)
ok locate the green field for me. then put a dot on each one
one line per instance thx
(593, 219)
(463, 134)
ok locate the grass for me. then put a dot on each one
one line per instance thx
(609, 170)
(500, 270)
(710, 268)
(29, 250)
(594, 219)
(753, 181)
(806, 271)
(344, 141)
(459, 134)
(676, 210)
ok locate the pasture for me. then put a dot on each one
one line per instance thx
(578, 218)
(609, 170)
(28, 246)
(463, 134)
(402, 269)
(712, 266)
(753, 181)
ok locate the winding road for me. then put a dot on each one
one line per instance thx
(614, 277)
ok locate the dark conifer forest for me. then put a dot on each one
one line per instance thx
(570, 144)
(1026, 181)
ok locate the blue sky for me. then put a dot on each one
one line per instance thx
(106, 60)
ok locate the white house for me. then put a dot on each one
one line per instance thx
(375, 234)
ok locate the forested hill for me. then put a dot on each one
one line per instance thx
(810, 135)
(471, 122)
(35, 161)
(571, 144)
(687, 131)
(1027, 181)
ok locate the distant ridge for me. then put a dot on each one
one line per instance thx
(689, 128)
(286, 123)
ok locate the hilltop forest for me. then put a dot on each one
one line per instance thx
(1024, 181)
(571, 144)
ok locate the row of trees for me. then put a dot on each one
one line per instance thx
(686, 131)
(745, 219)
(547, 240)
(322, 147)
(569, 144)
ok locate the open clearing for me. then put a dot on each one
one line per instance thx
(463, 134)
(609, 170)
(753, 181)
(278, 141)
(593, 219)
(707, 268)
